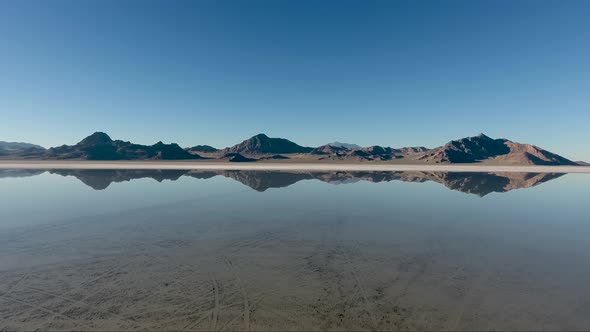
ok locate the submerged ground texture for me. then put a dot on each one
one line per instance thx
(304, 271)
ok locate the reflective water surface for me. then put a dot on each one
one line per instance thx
(198, 250)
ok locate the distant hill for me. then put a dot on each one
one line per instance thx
(371, 153)
(329, 149)
(275, 157)
(262, 144)
(482, 148)
(237, 158)
(344, 145)
(202, 148)
(99, 146)
(11, 148)
(413, 149)
(374, 152)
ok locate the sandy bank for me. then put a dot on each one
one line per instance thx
(183, 165)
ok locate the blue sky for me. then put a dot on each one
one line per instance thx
(392, 73)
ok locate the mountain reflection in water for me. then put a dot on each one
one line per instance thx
(480, 184)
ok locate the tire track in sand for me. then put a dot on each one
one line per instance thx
(361, 287)
(216, 305)
(240, 285)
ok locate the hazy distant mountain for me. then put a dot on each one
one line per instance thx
(13, 148)
(344, 145)
(262, 144)
(202, 148)
(483, 148)
(99, 146)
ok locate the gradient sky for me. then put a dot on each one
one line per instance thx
(392, 73)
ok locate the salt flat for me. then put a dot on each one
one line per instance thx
(286, 166)
(206, 254)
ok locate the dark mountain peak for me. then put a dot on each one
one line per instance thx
(99, 146)
(260, 139)
(261, 136)
(477, 139)
(468, 150)
(483, 136)
(98, 138)
(262, 144)
(482, 148)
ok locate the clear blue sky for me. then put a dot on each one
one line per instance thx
(392, 73)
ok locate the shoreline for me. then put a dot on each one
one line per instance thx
(276, 166)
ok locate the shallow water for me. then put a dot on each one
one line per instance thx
(229, 250)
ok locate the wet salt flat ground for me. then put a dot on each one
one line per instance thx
(324, 252)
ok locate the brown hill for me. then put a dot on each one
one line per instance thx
(482, 148)
(375, 152)
(413, 149)
(329, 149)
(262, 144)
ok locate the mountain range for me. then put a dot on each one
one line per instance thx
(99, 146)
(475, 149)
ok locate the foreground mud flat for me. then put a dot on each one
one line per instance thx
(177, 267)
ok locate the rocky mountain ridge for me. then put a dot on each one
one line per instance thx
(475, 149)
